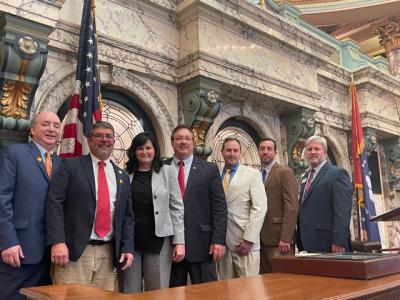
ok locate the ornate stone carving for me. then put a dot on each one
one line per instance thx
(27, 45)
(300, 125)
(200, 97)
(391, 148)
(370, 140)
(389, 33)
(15, 98)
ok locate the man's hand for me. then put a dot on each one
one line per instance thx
(217, 251)
(60, 255)
(337, 249)
(178, 254)
(12, 256)
(284, 247)
(128, 258)
(244, 247)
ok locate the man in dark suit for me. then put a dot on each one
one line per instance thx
(205, 212)
(279, 225)
(89, 215)
(25, 170)
(325, 203)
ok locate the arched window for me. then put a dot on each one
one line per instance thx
(248, 138)
(127, 118)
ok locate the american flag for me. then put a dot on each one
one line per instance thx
(362, 181)
(85, 104)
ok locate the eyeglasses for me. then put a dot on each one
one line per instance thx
(181, 139)
(106, 136)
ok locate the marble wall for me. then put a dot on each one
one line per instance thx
(265, 65)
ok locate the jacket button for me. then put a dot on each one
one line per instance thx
(156, 212)
(155, 196)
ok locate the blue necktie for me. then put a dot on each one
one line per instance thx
(264, 175)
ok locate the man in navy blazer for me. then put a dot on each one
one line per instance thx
(325, 203)
(24, 183)
(80, 252)
(205, 213)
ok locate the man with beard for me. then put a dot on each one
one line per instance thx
(89, 215)
(279, 225)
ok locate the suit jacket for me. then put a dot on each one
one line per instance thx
(247, 206)
(71, 208)
(325, 212)
(23, 190)
(205, 210)
(168, 205)
(280, 220)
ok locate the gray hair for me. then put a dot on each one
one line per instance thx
(318, 139)
(101, 124)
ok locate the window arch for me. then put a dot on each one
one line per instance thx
(127, 118)
(248, 138)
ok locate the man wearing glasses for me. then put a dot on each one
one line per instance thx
(89, 216)
(205, 212)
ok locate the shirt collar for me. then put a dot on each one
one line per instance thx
(187, 161)
(95, 160)
(269, 166)
(233, 168)
(319, 167)
(41, 149)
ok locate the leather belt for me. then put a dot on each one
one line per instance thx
(98, 242)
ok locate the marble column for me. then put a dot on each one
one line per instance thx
(389, 37)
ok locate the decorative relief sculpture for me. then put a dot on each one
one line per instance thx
(15, 98)
(27, 45)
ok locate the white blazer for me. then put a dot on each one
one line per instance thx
(247, 206)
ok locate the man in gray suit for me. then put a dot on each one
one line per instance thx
(325, 203)
(247, 206)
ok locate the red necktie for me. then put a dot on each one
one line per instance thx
(309, 180)
(103, 218)
(181, 177)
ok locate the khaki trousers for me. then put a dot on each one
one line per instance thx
(94, 267)
(233, 266)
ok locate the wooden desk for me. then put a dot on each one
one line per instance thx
(275, 286)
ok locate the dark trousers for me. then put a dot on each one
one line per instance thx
(13, 279)
(199, 272)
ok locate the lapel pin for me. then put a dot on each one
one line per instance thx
(39, 159)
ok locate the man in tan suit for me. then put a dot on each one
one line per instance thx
(247, 205)
(280, 222)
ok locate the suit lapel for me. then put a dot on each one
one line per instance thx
(193, 173)
(119, 180)
(88, 168)
(155, 180)
(271, 174)
(37, 156)
(235, 179)
(314, 183)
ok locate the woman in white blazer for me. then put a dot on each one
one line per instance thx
(158, 209)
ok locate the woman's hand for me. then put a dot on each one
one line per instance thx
(178, 254)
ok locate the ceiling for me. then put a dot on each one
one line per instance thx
(350, 19)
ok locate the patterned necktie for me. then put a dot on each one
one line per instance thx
(103, 215)
(181, 177)
(48, 165)
(309, 180)
(264, 175)
(226, 179)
